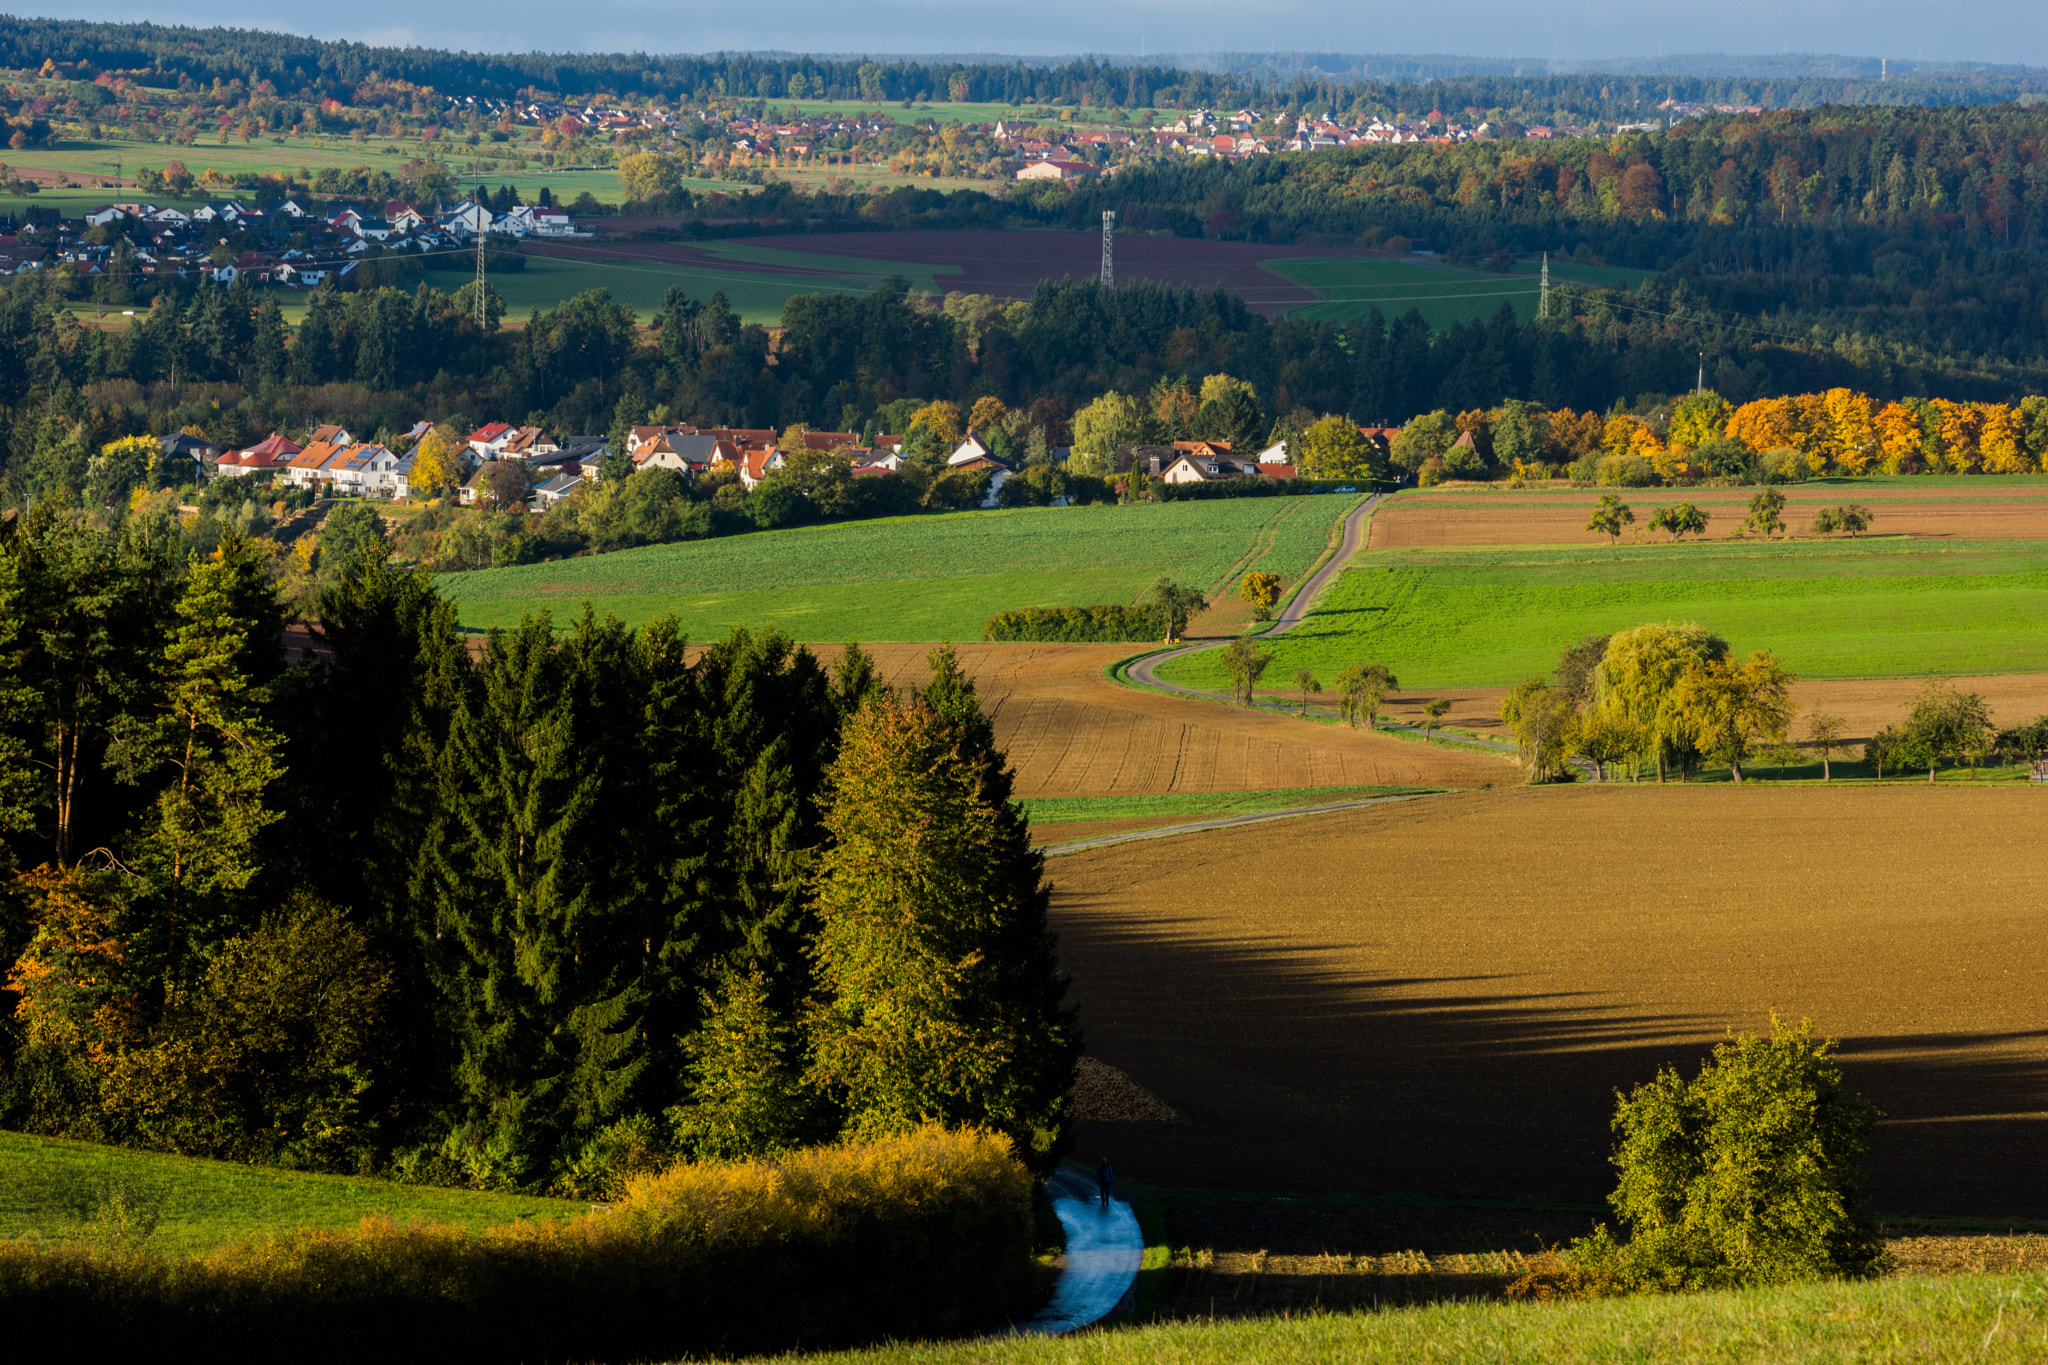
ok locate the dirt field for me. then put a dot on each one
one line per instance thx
(1442, 996)
(1070, 731)
(1411, 524)
(1010, 264)
(1868, 704)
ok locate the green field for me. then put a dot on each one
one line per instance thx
(915, 578)
(1352, 285)
(1995, 1318)
(1869, 608)
(1061, 810)
(74, 1189)
(758, 296)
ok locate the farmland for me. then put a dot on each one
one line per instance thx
(1441, 996)
(916, 578)
(1349, 286)
(1474, 590)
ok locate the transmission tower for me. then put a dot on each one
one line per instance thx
(1109, 248)
(482, 316)
(1543, 295)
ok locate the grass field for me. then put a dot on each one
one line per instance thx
(1994, 1318)
(63, 1189)
(1441, 996)
(916, 578)
(1058, 810)
(1884, 607)
(1443, 294)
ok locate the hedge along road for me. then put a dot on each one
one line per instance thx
(1143, 670)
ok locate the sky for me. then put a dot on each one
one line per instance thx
(1938, 30)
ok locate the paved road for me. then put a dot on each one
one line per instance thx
(1104, 1249)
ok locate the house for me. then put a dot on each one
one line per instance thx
(361, 469)
(488, 440)
(193, 455)
(971, 453)
(1275, 453)
(1062, 171)
(555, 489)
(337, 434)
(526, 443)
(1189, 467)
(467, 220)
(882, 460)
(753, 465)
(830, 440)
(111, 213)
(273, 452)
(314, 465)
(995, 485)
(687, 454)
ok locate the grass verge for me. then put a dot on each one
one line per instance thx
(1056, 810)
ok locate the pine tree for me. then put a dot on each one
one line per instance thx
(747, 1097)
(940, 990)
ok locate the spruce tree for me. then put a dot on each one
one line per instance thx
(940, 992)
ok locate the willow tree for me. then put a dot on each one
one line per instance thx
(1636, 682)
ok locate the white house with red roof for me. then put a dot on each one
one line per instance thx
(489, 441)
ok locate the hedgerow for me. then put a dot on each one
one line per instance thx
(1072, 625)
(926, 1233)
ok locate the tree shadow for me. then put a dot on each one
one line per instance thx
(1297, 1076)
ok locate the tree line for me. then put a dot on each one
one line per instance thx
(529, 912)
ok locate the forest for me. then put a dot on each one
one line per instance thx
(536, 916)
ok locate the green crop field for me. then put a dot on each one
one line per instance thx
(916, 578)
(1847, 609)
(1443, 294)
(61, 1189)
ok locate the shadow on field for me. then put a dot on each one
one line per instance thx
(1296, 1077)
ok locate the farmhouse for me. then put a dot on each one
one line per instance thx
(1056, 170)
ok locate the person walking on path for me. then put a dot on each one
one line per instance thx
(1105, 1175)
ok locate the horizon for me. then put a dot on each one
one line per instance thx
(1995, 35)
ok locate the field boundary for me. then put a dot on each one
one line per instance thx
(1218, 822)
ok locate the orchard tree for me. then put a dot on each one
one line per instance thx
(1766, 512)
(1306, 681)
(1945, 723)
(1546, 728)
(1681, 520)
(1734, 710)
(1435, 713)
(1362, 688)
(1824, 735)
(1610, 517)
(1244, 661)
(1177, 604)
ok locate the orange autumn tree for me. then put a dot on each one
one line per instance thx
(2001, 440)
(71, 981)
(1898, 437)
(1960, 424)
(1851, 429)
(1764, 424)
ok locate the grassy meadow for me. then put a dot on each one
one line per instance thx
(55, 1188)
(1995, 1318)
(1490, 617)
(1060, 810)
(925, 577)
(1352, 285)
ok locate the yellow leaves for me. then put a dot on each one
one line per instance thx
(1851, 429)
(1898, 437)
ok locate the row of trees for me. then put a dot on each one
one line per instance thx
(586, 900)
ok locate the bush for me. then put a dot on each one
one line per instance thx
(1260, 487)
(910, 1236)
(1745, 1175)
(1075, 625)
(1627, 471)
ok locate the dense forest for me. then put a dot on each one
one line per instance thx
(526, 917)
(315, 69)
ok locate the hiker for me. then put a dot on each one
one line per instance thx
(1104, 1175)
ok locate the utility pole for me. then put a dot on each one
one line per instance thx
(1543, 292)
(1109, 248)
(1700, 384)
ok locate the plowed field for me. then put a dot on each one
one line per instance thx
(1069, 731)
(2000, 510)
(1443, 995)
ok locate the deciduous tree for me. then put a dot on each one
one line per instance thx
(1733, 710)
(1610, 517)
(1261, 590)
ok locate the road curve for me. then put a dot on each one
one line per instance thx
(1104, 1250)
(1291, 615)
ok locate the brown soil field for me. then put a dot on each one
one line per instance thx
(1443, 996)
(1010, 264)
(1070, 731)
(1407, 525)
(1868, 704)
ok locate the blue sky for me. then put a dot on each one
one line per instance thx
(1986, 30)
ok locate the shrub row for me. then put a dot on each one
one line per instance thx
(1074, 625)
(1261, 487)
(918, 1235)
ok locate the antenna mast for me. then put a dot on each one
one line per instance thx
(1543, 292)
(1109, 248)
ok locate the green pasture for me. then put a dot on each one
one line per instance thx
(1350, 286)
(1870, 608)
(58, 1189)
(1993, 1318)
(928, 577)
(1062, 810)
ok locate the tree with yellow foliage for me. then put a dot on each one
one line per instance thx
(1734, 710)
(1958, 432)
(1765, 424)
(988, 413)
(2001, 440)
(1850, 429)
(436, 464)
(1899, 438)
(123, 465)
(1698, 418)
(935, 428)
